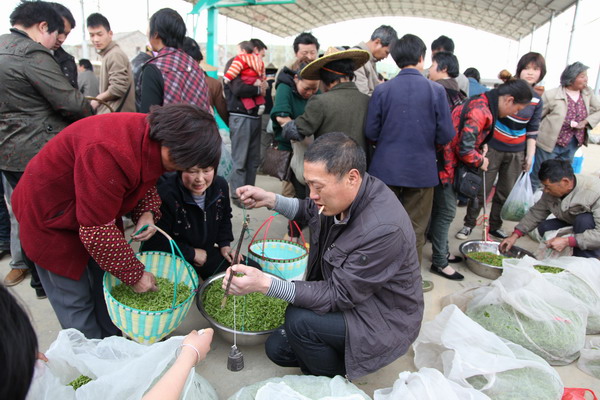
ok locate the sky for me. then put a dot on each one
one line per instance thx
(474, 48)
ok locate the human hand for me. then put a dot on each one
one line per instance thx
(145, 219)
(95, 104)
(253, 280)
(227, 254)
(558, 243)
(258, 82)
(42, 356)
(527, 161)
(484, 150)
(486, 162)
(199, 257)
(263, 88)
(508, 243)
(255, 197)
(147, 283)
(582, 124)
(199, 340)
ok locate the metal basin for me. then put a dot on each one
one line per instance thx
(486, 270)
(243, 338)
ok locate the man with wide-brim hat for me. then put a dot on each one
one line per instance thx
(342, 108)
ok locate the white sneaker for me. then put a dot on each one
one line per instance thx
(464, 233)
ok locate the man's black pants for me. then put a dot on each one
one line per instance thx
(583, 222)
(313, 342)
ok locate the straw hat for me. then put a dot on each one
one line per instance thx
(359, 57)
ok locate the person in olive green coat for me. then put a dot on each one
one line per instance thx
(342, 108)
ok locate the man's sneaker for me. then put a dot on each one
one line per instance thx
(499, 234)
(40, 293)
(464, 233)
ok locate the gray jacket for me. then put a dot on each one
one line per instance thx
(370, 273)
(585, 198)
(366, 76)
(36, 100)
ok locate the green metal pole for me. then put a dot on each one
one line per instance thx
(212, 47)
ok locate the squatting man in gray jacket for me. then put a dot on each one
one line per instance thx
(361, 304)
(574, 201)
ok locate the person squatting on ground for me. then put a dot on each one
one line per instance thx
(361, 305)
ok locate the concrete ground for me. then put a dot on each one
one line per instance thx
(257, 365)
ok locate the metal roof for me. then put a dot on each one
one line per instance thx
(509, 18)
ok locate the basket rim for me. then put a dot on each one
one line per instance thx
(110, 297)
(278, 260)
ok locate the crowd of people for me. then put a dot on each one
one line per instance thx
(376, 168)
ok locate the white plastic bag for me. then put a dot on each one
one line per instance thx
(580, 278)
(475, 358)
(523, 307)
(519, 200)
(589, 361)
(119, 368)
(544, 252)
(301, 388)
(427, 384)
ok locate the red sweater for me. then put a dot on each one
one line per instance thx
(81, 182)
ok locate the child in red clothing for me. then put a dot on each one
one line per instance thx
(252, 70)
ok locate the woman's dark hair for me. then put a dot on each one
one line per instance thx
(97, 19)
(532, 58)
(448, 61)
(343, 69)
(472, 73)
(305, 38)
(190, 46)
(408, 50)
(190, 134)
(259, 44)
(517, 88)
(339, 152)
(18, 348)
(168, 25)
(64, 12)
(29, 13)
(570, 73)
(85, 63)
(443, 43)
(555, 170)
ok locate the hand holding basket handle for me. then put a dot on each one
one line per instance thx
(255, 197)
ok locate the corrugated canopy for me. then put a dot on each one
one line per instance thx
(509, 18)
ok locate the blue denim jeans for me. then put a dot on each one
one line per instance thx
(564, 153)
(442, 215)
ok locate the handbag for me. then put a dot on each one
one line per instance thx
(277, 162)
(467, 182)
(297, 162)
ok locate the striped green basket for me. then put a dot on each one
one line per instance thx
(148, 327)
(284, 258)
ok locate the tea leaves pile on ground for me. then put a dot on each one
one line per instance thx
(151, 301)
(254, 312)
(80, 381)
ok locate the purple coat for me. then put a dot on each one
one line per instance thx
(371, 274)
(408, 116)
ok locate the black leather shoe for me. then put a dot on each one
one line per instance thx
(456, 276)
(455, 260)
(4, 253)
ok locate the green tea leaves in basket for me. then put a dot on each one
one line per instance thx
(80, 381)
(254, 312)
(152, 301)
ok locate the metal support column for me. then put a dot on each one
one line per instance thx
(533, 28)
(572, 32)
(549, 34)
(212, 47)
(84, 43)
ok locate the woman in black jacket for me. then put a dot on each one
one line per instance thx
(196, 212)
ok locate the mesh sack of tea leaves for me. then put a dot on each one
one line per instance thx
(577, 276)
(523, 307)
(118, 369)
(473, 357)
(589, 361)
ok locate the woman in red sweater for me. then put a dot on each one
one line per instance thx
(71, 198)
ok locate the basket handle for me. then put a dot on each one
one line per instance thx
(174, 246)
(104, 103)
(268, 222)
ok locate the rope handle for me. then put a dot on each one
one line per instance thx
(268, 222)
(174, 247)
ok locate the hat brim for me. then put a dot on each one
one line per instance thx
(357, 56)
